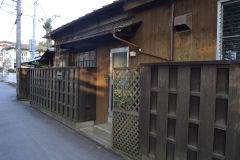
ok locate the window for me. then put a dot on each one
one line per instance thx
(85, 59)
(228, 46)
(62, 60)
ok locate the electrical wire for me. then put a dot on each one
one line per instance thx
(1, 3)
(9, 12)
(40, 6)
(27, 8)
(13, 26)
(9, 5)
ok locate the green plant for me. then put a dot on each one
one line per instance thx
(122, 94)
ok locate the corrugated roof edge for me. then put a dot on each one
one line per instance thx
(116, 2)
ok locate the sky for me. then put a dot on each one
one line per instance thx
(68, 10)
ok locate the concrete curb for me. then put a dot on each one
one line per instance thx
(9, 83)
(12, 84)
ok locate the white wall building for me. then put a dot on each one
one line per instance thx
(8, 54)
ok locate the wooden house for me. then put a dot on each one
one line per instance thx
(128, 32)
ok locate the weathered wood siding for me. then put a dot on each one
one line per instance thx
(103, 63)
(153, 36)
(103, 72)
(24, 79)
(200, 43)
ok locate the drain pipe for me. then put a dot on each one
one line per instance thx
(136, 46)
(124, 41)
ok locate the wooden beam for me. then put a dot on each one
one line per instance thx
(207, 112)
(162, 112)
(135, 4)
(145, 109)
(233, 128)
(183, 99)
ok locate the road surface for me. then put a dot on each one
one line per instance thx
(27, 134)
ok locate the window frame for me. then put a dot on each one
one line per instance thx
(220, 4)
(84, 59)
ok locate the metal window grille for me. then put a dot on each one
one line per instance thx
(86, 59)
(231, 30)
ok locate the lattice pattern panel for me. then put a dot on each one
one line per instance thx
(126, 89)
(65, 92)
(126, 101)
(191, 113)
(126, 133)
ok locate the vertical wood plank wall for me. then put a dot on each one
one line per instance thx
(69, 92)
(190, 111)
(24, 84)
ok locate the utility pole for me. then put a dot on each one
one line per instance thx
(18, 45)
(19, 14)
(34, 30)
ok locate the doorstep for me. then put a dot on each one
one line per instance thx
(101, 133)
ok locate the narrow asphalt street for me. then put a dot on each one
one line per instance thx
(26, 134)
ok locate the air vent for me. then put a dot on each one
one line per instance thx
(183, 22)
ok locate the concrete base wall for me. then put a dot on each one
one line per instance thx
(8, 77)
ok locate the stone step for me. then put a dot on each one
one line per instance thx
(106, 127)
(100, 133)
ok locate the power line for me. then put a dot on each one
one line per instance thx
(11, 5)
(8, 5)
(28, 7)
(1, 3)
(9, 12)
(27, 15)
(13, 26)
(40, 6)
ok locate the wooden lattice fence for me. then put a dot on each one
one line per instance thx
(126, 94)
(69, 92)
(190, 110)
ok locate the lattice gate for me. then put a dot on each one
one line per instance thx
(126, 101)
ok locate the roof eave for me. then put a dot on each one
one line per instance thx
(115, 3)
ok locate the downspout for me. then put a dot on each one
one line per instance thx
(136, 46)
(171, 31)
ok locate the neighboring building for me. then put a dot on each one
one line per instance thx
(128, 32)
(8, 54)
(47, 58)
(44, 61)
(3, 44)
